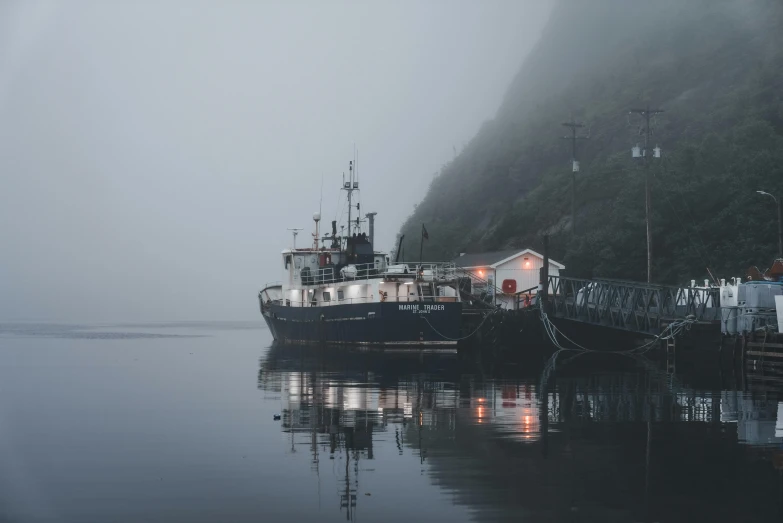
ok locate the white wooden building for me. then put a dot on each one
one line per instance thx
(506, 273)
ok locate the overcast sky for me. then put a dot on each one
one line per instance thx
(152, 154)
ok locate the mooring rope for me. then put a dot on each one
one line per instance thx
(490, 313)
(673, 329)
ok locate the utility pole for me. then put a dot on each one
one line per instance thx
(574, 166)
(645, 155)
(543, 277)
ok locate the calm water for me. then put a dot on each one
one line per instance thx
(175, 422)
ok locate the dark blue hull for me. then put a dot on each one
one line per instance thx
(382, 324)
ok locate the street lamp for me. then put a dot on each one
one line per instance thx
(780, 221)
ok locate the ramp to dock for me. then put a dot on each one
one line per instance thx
(630, 306)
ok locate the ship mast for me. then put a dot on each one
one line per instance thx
(350, 186)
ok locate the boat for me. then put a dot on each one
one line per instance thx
(342, 291)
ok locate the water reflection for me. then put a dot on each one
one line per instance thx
(586, 444)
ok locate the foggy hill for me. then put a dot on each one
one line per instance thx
(714, 66)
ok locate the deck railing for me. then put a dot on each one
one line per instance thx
(424, 271)
(348, 301)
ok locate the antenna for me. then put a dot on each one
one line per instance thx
(295, 231)
(359, 196)
(349, 187)
(321, 201)
(350, 191)
(317, 216)
(350, 184)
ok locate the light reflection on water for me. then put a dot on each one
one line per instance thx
(621, 445)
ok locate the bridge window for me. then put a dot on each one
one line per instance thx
(287, 260)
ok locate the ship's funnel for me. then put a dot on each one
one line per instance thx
(371, 218)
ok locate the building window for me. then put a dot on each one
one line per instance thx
(327, 296)
(340, 295)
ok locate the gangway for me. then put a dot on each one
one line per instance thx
(630, 306)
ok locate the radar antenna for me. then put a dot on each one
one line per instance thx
(295, 231)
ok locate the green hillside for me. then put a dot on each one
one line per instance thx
(714, 66)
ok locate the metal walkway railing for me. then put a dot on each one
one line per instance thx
(630, 306)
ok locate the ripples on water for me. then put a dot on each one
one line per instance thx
(174, 422)
(630, 444)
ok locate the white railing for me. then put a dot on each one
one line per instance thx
(425, 271)
(348, 301)
(436, 271)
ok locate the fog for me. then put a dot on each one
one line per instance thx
(153, 154)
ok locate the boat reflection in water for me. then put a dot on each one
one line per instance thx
(633, 444)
